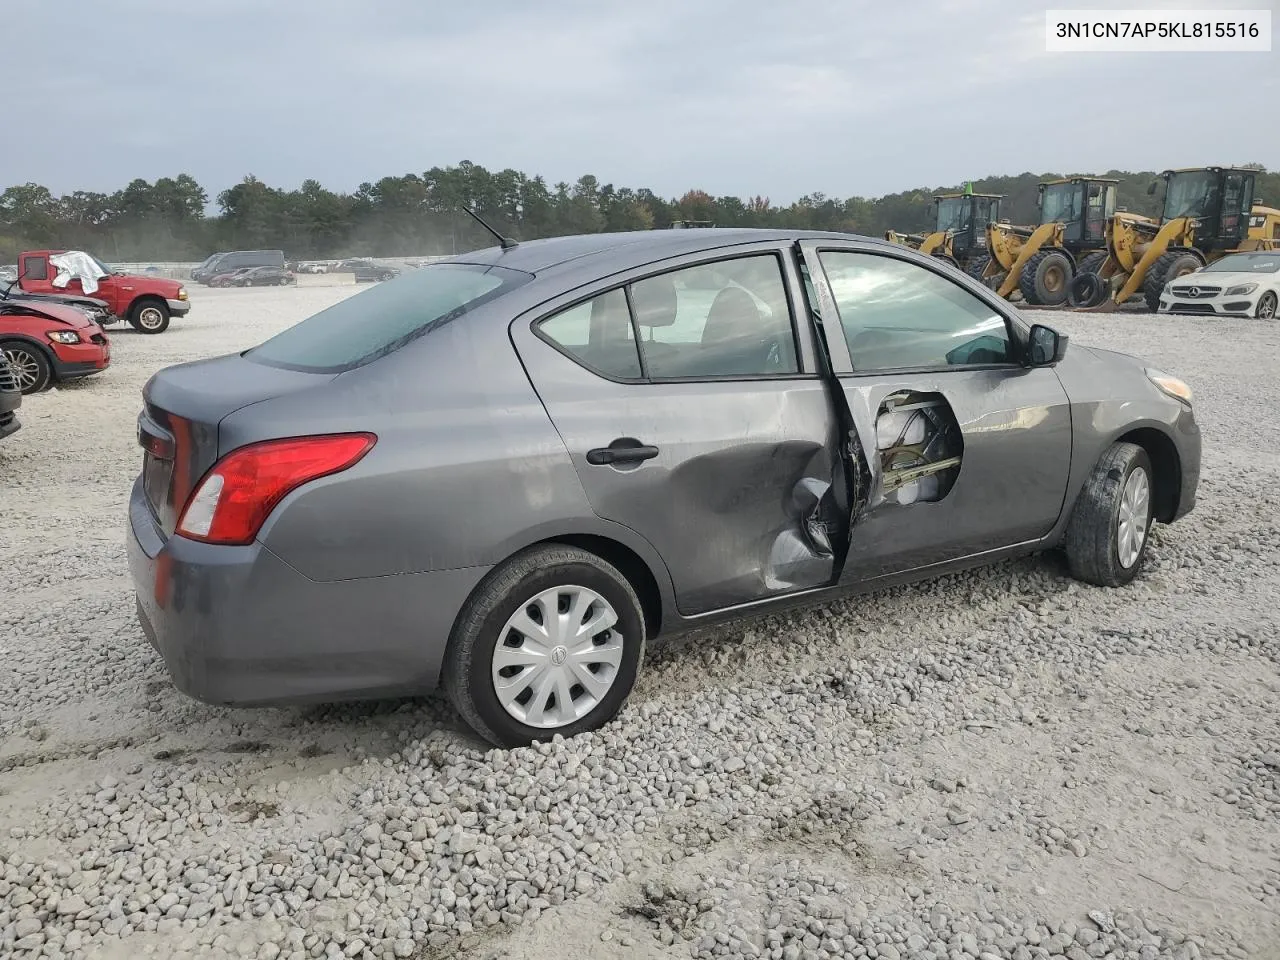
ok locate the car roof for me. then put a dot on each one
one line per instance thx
(602, 254)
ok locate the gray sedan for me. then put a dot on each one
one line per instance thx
(505, 472)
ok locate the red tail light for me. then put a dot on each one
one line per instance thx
(238, 494)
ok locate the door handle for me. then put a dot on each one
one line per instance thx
(622, 450)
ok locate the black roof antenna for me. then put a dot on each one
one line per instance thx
(506, 242)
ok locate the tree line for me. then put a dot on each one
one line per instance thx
(421, 214)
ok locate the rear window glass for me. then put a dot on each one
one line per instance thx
(376, 322)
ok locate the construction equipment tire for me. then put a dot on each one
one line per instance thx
(1086, 290)
(1046, 279)
(1169, 266)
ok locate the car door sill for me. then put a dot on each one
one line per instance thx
(881, 582)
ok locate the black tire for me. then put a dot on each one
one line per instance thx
(1168, 266)
(29, 364)
(1091, 264)
(467, 678)
(149, 316)
(1266, 309)
(977, 267)
(1091, 541)
(946, 259)
(1046, 279)
(1086, 290)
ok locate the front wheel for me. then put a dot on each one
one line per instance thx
(551, 642)
(1267, 306)
(150, 316)
(1107, 535)
(1167, 268)
(1046, 278)
(29, 365)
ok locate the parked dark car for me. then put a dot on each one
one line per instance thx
(263, 277)
(507, 471)
(224, 263)
(227, 279)
(369, 271)
(10, 399)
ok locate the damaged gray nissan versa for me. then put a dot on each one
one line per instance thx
(504, 472)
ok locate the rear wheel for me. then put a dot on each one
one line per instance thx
(978, 267)
(150, 316)
(29, 365)
(1046, 279)
(550, 642)
(1266, 306)
(1106, 538)
(1091, 264)
(1167, 268)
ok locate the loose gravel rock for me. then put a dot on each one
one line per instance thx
(1001, 763)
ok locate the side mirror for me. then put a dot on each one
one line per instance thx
(1045, 346)
(1151, 189)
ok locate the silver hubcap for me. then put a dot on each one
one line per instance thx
(1135, 508)
(1267, 308)
(557, 657)
(150, 317)
(24, 366)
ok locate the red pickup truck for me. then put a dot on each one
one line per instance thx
(147, 303)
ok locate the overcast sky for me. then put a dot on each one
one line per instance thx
(730, 96)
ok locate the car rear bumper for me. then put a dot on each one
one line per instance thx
(239, 626)
(179, 308)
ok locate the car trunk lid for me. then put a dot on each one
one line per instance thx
(178, 426)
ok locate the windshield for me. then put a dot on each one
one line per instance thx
(1247, 263)
(952, 213)
(1192, 194)
(1061, 203)
(369, 325)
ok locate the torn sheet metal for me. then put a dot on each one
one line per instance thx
(76, 265)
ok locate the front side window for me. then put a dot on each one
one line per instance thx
(1191, 194)
(951, 213)
(369, 325)
(597, 333)
(1061, 203)
(898, 315)
(724, 319)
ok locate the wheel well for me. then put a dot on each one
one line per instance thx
(631, 566)
(29, 341)
(1166, 468)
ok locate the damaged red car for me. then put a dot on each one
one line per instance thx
(48, 343)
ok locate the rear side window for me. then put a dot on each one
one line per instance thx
(379, 321)
(725, 319)
(598, 334)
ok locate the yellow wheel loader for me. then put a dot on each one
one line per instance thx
(1208, 212)
(960, 228)
(1038, 262)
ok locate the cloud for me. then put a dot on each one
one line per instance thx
(731, 96)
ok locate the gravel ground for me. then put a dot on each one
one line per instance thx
(997, 764)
